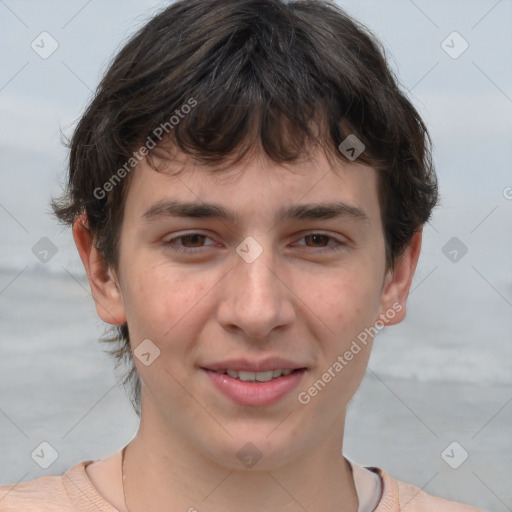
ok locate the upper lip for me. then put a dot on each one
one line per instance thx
(272, 363)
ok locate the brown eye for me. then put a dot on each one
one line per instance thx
(321, 241)
(318, 238)
(190, 242)
(195, 239)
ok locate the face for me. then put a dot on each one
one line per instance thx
(273, 288)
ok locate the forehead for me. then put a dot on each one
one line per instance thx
(255, 187)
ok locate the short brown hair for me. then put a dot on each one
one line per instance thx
(257, 74)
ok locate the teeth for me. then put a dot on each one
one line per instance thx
(257, 376)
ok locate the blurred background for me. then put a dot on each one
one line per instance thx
(435, 408)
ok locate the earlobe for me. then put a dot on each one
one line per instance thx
(398, 282)
(102, 279)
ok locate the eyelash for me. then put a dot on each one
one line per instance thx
(177, 248)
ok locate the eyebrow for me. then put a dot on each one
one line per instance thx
(307, 211)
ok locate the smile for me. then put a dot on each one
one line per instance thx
(255, 389)
(256, 376)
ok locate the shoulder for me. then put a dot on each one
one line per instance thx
(34, 495)
(70, 491)
(405, 497)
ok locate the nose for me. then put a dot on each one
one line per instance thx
(257, 297)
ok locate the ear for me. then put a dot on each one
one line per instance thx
(102, 280)
(397, 283)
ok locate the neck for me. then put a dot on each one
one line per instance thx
(162, 471)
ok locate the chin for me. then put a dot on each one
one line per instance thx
(254, 449)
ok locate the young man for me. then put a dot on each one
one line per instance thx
(247, 192)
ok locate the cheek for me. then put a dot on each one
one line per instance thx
(161, 301)
(349, 305)
(347, 301)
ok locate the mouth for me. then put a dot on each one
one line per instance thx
(254, 388)
(265, 376)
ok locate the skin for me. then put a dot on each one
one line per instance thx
(293, 301)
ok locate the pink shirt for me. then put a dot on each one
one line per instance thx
(74, 492)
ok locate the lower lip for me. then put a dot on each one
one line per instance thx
(255, 394)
